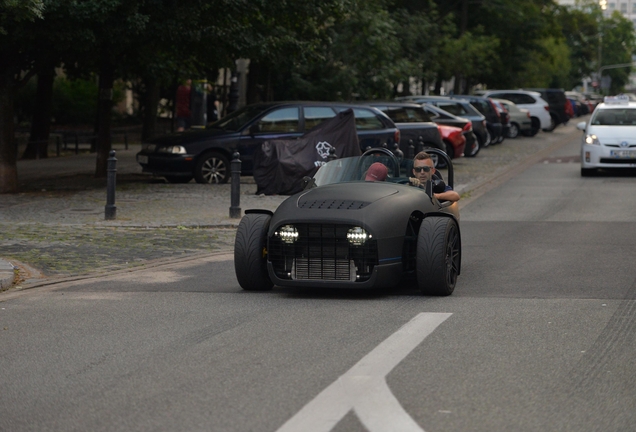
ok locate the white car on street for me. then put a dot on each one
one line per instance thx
(530, 100)
(609, 140)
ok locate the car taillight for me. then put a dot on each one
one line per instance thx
(468, 127)
(528, 114)
(547, 108)
(396, 136)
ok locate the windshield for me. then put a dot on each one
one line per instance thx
(354, 169)
(238, 119)
(615, 117)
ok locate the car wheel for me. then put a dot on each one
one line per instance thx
(438, 256)
(474, 150)
(588, 172)
(212, 168)
(534, 129)
(553, 125)
(250, 252)
(513, 131)
(488, 139)
(450, 150)
(500, 138)
(178, 179)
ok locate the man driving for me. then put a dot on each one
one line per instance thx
(423, 170)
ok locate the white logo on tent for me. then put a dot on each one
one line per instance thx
(323, 148)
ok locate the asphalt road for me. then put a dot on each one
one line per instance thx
(539, 334)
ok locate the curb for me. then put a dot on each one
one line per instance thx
(7, 274)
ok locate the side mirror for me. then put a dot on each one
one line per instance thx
(308, 183)
(581, 126)
(254, 129)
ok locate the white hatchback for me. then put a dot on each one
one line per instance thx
(610, 136)
(530, 100)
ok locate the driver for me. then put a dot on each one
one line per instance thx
(424, 170)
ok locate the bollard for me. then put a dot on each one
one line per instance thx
(420, 144)
(235, 199)
(411, 149)
(397, 152)
(332, 154)
(110, 211)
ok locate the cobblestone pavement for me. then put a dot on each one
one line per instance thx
(55, 226)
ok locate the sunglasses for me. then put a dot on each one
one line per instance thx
(422, 168)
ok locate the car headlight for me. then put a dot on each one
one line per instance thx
(357, 236)
(592, 139)
(287, 233)
(172, 150)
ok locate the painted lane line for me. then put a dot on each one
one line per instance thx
(363, 388)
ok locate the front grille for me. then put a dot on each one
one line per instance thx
(619, 146)
(618, 161)
(322, 252)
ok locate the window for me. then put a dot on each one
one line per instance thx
(615, 117)
(406, 115)
(634, 7)
(366, 119)
(612, 6)
(453, 108)
(624, 7)
(316, 115)
(281, 120)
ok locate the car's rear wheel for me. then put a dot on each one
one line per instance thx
(250, 252)
(438, 256)
(212, 168)
(534, 129)
(553, 124)
(588, 172)
(513, 130)
(472, 152)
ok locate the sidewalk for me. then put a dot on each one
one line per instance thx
(55, 226)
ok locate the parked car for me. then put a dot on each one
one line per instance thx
(580, 103)
(460, 108)
(454, 139)
(416, 127)
(442, 117)
(519, 118)
(530, 100)
(493, 121)
(205, 154)
(609, 139)
(344, 232)
(557, 102)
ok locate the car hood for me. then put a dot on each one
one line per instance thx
(190, 136)
(614, 134)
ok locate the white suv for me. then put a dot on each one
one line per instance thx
(530, 100)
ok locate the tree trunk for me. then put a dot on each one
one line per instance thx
(41, 122)
(104, 114)
(8, 150)
(150, 107)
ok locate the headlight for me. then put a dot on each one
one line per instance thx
(172, 149)
(287, 233)
(357, 236)
(592, 139)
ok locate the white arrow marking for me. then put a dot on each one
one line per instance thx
(363, 388)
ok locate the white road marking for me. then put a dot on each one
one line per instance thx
(363, 388)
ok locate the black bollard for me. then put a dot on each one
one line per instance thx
(235, 199)
(411, 149)
(420, 144)
(110, 211)
(332, 154)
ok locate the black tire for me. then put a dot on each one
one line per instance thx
(473, 152)
(438, 256)
(534, 129)
(212, 168)
(513, 130)
(450, 150)
(178, 179)
(250, 257)
(553, 124)
(487, 140)
(588, 172)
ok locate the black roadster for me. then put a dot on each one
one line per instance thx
(344, 232)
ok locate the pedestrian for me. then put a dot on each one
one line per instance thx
(184, 112)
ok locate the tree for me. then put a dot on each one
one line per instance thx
(618, 47)
(15, 70)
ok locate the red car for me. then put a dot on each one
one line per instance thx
(454, 140)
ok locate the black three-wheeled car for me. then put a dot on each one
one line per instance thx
(344, 232)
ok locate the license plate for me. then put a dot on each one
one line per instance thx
(623, 154)
(142, 159)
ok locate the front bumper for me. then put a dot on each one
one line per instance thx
(600, 156)
(166, 164)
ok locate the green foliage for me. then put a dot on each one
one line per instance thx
(547, 67)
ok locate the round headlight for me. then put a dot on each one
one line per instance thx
(288, 233)
(592, 139)
(357, 236)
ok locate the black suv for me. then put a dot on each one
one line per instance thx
(556, 101)
(488, 109)
(205, 153)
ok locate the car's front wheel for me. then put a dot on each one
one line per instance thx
(472, 152)
(534, 129)
(250, 252)
(438, 256)
(212, 168)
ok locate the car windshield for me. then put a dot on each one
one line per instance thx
(238, 119)
(615, 117)
(353, 169)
